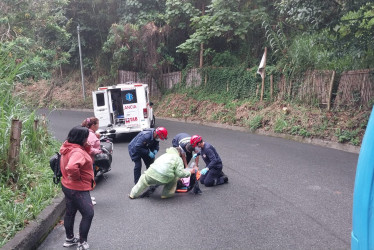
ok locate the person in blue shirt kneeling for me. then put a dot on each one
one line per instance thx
(212, 174)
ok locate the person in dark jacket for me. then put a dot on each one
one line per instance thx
(145, 146)
(212, 174)
(77, 182)
(182, 141)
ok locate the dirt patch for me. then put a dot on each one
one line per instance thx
(56, 93)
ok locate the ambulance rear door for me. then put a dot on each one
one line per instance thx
(101, 107)
(130, 108)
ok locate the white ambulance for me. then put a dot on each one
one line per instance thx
(123, 108)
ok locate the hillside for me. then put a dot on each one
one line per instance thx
(278, 118)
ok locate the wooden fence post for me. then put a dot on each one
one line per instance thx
(36, 122)
(330, 90)
(14, 146)
(262, 87)
(44, 122)
(271, 87)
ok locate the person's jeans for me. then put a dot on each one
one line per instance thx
(78, 201)
(212, 178)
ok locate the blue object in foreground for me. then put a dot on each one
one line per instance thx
(363, 196)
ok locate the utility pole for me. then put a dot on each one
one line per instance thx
(80, 59)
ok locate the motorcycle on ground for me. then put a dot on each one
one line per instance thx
(103, 161)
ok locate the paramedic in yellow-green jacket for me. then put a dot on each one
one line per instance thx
(166, 170)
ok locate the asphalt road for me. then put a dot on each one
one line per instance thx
(281, 195)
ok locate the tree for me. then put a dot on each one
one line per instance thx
(95, 18)
(344, 27)
(145, 38)
(354, 34)
(34, 32)
(306, 14)
(141, 12)
(137, 48)
(222, 23)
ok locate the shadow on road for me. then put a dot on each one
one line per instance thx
(124, 138)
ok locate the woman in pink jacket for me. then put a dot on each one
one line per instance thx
(92, 124)
(77, 182)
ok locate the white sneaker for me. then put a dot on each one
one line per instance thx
(93, 202)
(71, 242)
(93, 198)
(83, 246)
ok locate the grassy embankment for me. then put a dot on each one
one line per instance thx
(25, 192)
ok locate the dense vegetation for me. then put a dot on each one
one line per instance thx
(38, 40)
(29, 189)
(170, 35)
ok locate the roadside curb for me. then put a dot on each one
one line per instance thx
(34, 233)
(313, 141)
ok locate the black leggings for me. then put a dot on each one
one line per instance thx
(78, 201)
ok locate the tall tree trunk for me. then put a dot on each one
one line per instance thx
(202, 44)
(201, 55)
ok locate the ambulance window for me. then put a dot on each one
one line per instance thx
(100, 101)
(146, 96)
(129, 96)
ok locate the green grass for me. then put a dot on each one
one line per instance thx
(348, 136)
(255, 123)
(280, 125)
(25, 192)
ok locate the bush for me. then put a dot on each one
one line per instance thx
(255, 123)
(348, 136)
(280, 125)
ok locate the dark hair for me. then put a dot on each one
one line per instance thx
(189, 147)
(88, 122)
(78, 135)
(179, 150)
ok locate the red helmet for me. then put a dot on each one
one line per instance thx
(195, 139)
(162, 133)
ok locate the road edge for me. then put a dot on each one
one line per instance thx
(35, 232)
(313, 141)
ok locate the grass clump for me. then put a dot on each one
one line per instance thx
(25, 192)
(255, 123)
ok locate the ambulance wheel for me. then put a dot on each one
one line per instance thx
(153, 122)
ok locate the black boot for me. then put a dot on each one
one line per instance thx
(224, 177)
(196, 188)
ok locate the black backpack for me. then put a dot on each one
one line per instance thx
(54, 162)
